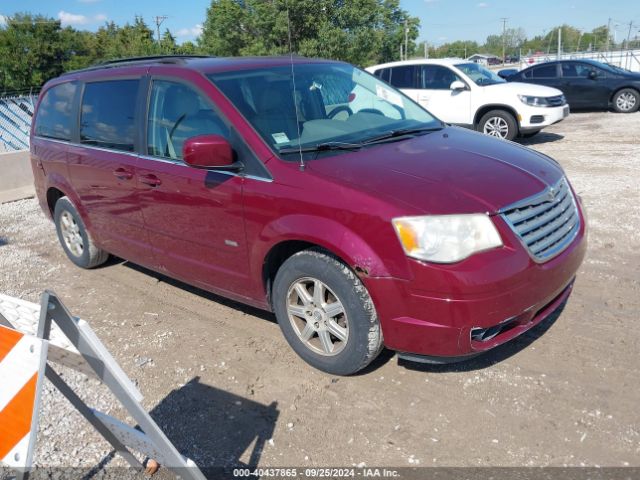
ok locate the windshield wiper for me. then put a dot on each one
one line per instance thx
(402, 132)
(320, 147)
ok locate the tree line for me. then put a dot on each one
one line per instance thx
(35, 48)
(517, 43)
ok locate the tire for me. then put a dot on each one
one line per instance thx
(626, 100)
(499, 124)
(350, 330)
(74, 237)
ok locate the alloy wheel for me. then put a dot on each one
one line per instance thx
(626, 101)
(71, 234)
(496, 127)
(317, 316)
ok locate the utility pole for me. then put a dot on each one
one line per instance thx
(559, 43)
(626, 60)
(406, 40)
(629, 35)
(608, 33)
(504, 38)
(159, 19)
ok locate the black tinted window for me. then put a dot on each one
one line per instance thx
(384, 74)
(545, 71)
(54, 113)
(436, 77)
(108, 111)
(404, 76)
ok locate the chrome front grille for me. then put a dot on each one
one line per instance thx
(546, 223)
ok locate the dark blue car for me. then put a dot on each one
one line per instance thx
(586, 83)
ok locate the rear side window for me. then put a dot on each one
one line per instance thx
(384, 74)
(108, 114)
(54, 116)
(404, 76)
(545, 71)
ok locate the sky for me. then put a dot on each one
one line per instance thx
(441, 20)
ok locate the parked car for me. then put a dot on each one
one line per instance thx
(468, 94)
(238, 176)
(507, 72)
(587, 83)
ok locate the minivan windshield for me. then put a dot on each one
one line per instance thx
(323, 106)
(480, 75)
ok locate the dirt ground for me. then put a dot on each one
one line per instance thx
(220, 378)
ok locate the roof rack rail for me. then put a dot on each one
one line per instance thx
(170, 59)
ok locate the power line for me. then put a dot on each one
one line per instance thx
(158, 20)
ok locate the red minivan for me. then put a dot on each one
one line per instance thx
(260, 180)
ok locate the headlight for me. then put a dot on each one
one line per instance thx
(534, 101)
(446, 238)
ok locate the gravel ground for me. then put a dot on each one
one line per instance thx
(222, 382)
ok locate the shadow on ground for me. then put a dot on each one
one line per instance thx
(215, 428)
(249, 310)
(542, 137)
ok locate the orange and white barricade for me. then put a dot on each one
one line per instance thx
(22, 363)
(33, 336)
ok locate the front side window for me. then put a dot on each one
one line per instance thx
(479, 75)
(579, 70)
(178, 112)
(330, 103)
(53, 119)
(108, 114)
(437, 77)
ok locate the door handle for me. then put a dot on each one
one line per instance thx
(123, 173)
(150, 180)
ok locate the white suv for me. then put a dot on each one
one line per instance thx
(467, 94)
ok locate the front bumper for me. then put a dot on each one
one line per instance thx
(439, 311)
(536, 118)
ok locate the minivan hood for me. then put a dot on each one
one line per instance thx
(518, 88)
(444, 172)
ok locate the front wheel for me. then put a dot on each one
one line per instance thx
(626, 100)
(325, 313)
(499, 124)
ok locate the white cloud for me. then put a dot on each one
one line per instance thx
(71, 18)
(76, 19)
(194, 31)
(483, 5)
(3, 20)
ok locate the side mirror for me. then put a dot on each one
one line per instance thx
(457, 86)
(592, 75)
(209, 151)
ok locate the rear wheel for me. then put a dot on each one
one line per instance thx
(325, 313)
(74, 237)
(499, 124)
(626, 100)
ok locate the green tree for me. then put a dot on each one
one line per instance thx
(31, 51)
(358, 31)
